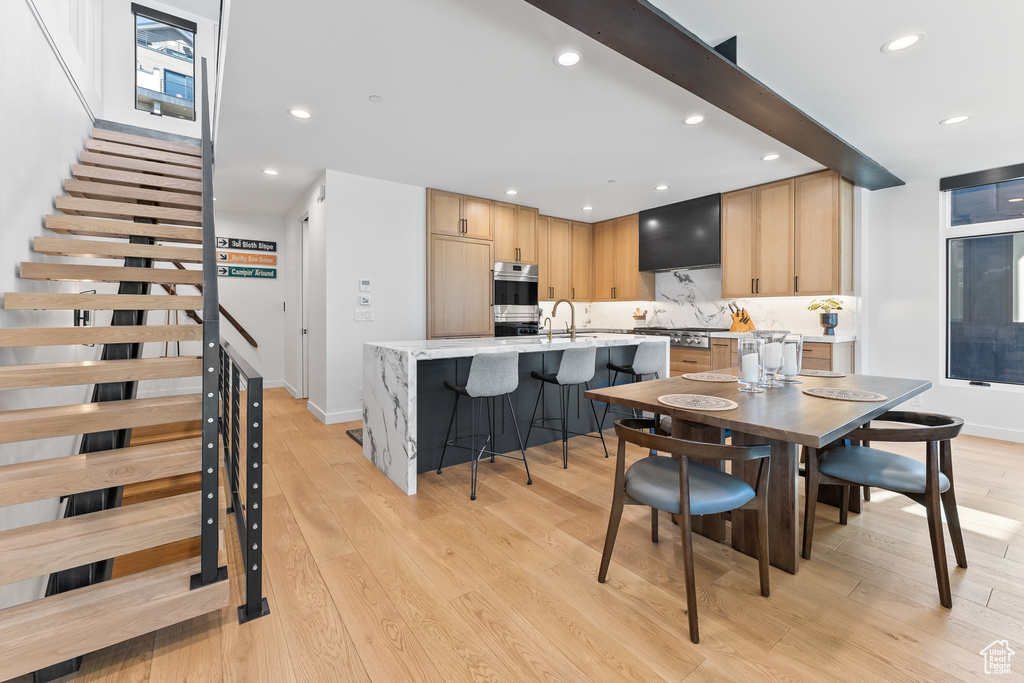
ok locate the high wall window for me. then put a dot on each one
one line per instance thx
(164, 64)
(985, 293)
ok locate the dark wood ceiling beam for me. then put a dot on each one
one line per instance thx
(644, 34)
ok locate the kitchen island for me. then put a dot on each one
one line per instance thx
(406, 407)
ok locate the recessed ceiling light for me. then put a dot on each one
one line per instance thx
(661, 187)
(299, 113)
(511, 191)
(692, 120)
(568, 58)
(215, 199)
(588, 208)
(376, 99)
(270, 171)
(953, 119)
(769, 157)
(610, 182)
(1017, 199)
(903, 42)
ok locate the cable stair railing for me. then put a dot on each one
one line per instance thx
(148, 201)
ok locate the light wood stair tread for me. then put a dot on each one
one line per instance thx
(42, 479)
(129, 178)
(17, 337)
(98, 371)
(139, 165)
(94, 190)
(45, 301)
(83, 206)
(73, 272)
(39, 423)
(105, 227)
(161, 488)
(49, 547)
(146, 153)
(144, 141)
(62, 626)
(169, 431)
(60, 246)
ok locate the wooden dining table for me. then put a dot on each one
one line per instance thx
(783, 417)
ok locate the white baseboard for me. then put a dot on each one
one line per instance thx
(317, 413)
(334, 418)
(291, 390)
(345, 416)
(1001, 433)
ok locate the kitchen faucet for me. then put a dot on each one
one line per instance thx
(572, 310)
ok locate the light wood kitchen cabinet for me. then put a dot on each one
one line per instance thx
(823, 235)
(543, 258)
(459, 287)
(459, 215)
(617, 275)
(683, 360)
(792, 237)
(515, 233)
(757, 241)
(581, 287)
(721, 353)
(559, 260)
(828, 356)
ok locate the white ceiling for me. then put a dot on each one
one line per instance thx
(473, 102)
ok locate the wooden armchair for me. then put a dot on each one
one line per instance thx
(683, 485)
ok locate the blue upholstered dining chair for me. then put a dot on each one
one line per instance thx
(681, 484)
(929, 483)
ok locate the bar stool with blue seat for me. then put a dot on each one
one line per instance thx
(575, 368)
(647, 360)
(491, 375)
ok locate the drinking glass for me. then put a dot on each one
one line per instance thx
(792, 353)
(771, 355)
(748, 373)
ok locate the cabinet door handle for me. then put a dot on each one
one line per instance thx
(572, 291)
(758, 289)
(689, 361)
(751, 285)
(796, 284)
(492, 286)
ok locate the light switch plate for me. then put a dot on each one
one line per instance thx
(364, 300)
(364, 285)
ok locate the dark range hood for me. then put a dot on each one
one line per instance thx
(682, 235)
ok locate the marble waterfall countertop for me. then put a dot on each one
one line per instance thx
(390, 388)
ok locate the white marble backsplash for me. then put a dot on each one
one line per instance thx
(693, 298)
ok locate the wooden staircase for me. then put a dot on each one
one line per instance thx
(136, 199)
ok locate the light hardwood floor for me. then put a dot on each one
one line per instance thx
(368, 584)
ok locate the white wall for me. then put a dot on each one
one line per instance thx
(904, 304)
(257, 304)
(291, 247)
(119, 67)
(40, 135)
(366, 229)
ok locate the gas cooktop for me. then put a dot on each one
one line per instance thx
(692, 337)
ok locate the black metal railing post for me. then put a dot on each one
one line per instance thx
(209, 571)
(243, 462)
